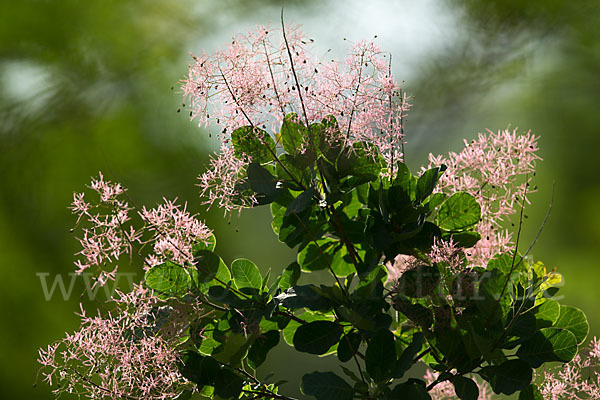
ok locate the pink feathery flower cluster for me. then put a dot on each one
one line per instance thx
(578, 379)
(399, 265)
(259, 78)
(448, 253)
(175, 232)
(442, 251)
(119, 355)
(445, 390)
(497, 169)
(105, 237)
(219, 183)
(109, 231)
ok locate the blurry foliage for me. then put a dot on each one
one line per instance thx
(85, 86)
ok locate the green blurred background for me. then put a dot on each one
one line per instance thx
(87, 86)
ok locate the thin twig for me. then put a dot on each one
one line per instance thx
(287, 46)
(362, 56)
(273, 79)
(513, 265)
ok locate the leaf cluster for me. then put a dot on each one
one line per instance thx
(337, 206)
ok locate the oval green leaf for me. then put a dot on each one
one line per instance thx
(289, 276)
(381, 355)
(207, 264)
(459, 212)
(246, 274)
(316, 337)
(168, 279)
(547, 314)
(465, 388)
(293, 134)
(426, 182)
(348, 346)
(508, 377)
(257, 354)
(253, 142)
(548, 344)
(573, 320)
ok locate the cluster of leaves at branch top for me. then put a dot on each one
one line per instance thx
(344, 215)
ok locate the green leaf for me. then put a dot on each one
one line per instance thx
(548, 344)
(305, 296)
(207, 264)
(199, 369)
(293, 135)
(289, 276)
(426, 182)
(168, 279)
(380, 356)
(547, 313)
(317, 133)
(291, 174)
(234, 348)
(531, 392)
(301, 202)
(207, 341)
(508, 377)
(348, 346)
(459, 212)
(465, 388)
(228, 385)
(261, 347)
(361, 161)
(524, 325)
(210, 244)
(421, 238)
(354, 230)
(254, 142)
(417, 313)
(490, 304)
(435, 201)
(223, 295)
(326, 386)
(317, 256)
(419, 281)
(277, 212)
(405, 361)
(405, 181)
(376, 232)
(262, 181)
(463, 239)
(451, 343)
(293, 228)
(316, 337)
(266, 279)
(573, 320)
(185, 395)
(246, 274)
(342, 264)
(502, 262)
(290, 330)
(221, 277)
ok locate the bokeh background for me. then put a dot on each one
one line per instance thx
(93, 85)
